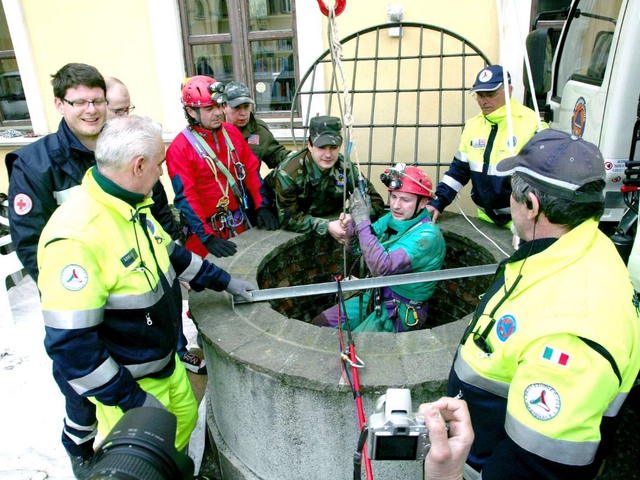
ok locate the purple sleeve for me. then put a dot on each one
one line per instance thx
(379, 261)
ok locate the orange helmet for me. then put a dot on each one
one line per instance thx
(202, 91)
(408, 180)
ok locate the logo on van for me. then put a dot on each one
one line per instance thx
(579, 119)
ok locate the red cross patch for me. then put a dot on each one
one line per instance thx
(22, 204)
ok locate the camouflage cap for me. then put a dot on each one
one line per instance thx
(237, 94)
(325, 131)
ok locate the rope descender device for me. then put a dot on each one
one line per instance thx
(338, 9)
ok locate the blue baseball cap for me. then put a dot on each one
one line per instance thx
(490, 79)
(558, 164)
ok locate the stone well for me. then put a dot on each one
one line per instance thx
(278, 407)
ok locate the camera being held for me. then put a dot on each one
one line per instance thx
(395, 432)
(141, 447)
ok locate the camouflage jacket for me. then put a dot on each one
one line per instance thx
(303, 194)
(262, 142)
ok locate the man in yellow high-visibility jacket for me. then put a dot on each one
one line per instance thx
(553, 348)
(109, 284)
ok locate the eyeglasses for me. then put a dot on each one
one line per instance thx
(98, 103)
(120, 112)
(489, 95)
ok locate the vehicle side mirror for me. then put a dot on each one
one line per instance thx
(540, 51)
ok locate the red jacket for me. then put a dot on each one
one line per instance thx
(195, 185)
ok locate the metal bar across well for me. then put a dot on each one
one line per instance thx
(367, 283)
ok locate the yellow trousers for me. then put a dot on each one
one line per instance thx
(174, 392)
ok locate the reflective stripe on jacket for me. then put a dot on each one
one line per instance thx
(110, 295)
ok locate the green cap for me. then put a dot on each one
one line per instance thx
(325, 131)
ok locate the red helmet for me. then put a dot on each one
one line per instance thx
(417, 182)
(202, 91)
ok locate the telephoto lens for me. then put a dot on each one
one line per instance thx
(141, 447)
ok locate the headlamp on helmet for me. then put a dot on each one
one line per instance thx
(391, 177)
(407, 179)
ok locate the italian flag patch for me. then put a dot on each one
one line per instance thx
(556, 356)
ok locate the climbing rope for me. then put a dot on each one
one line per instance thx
(335, 48)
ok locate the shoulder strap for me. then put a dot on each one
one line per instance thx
(204, 150)
(605, 353)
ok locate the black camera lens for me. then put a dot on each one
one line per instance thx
(141, 447)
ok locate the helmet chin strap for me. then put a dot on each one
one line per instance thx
(418, 209)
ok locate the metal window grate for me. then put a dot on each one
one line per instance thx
(408, 94)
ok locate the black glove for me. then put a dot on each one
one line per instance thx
(359, 207)
(219, 247)
(265, 218)
(242, 288)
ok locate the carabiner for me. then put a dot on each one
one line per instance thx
(338, 9)
(219, 221)
(241, 173)
(223, 204)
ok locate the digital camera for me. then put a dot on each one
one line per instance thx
(394, 431)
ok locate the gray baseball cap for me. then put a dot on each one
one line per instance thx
(558, 164)
(325, 130)
(237, 94)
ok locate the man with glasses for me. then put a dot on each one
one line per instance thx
(41, 177)
(553, 348)
(485, 141)
(118, 97)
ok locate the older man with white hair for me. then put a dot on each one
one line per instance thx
(109, 284)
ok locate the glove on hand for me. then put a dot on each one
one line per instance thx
(219, 247)
(152, 401)
(359, 207)
(242, 288)
(265, 218)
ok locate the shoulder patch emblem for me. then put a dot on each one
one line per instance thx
(73, 277)
(253, 139)
(22, 204)
(151, 227)
(340, 180)
(542, 401)
(506, 327)
(556, 356)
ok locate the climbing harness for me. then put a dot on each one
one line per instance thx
(224, 219)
